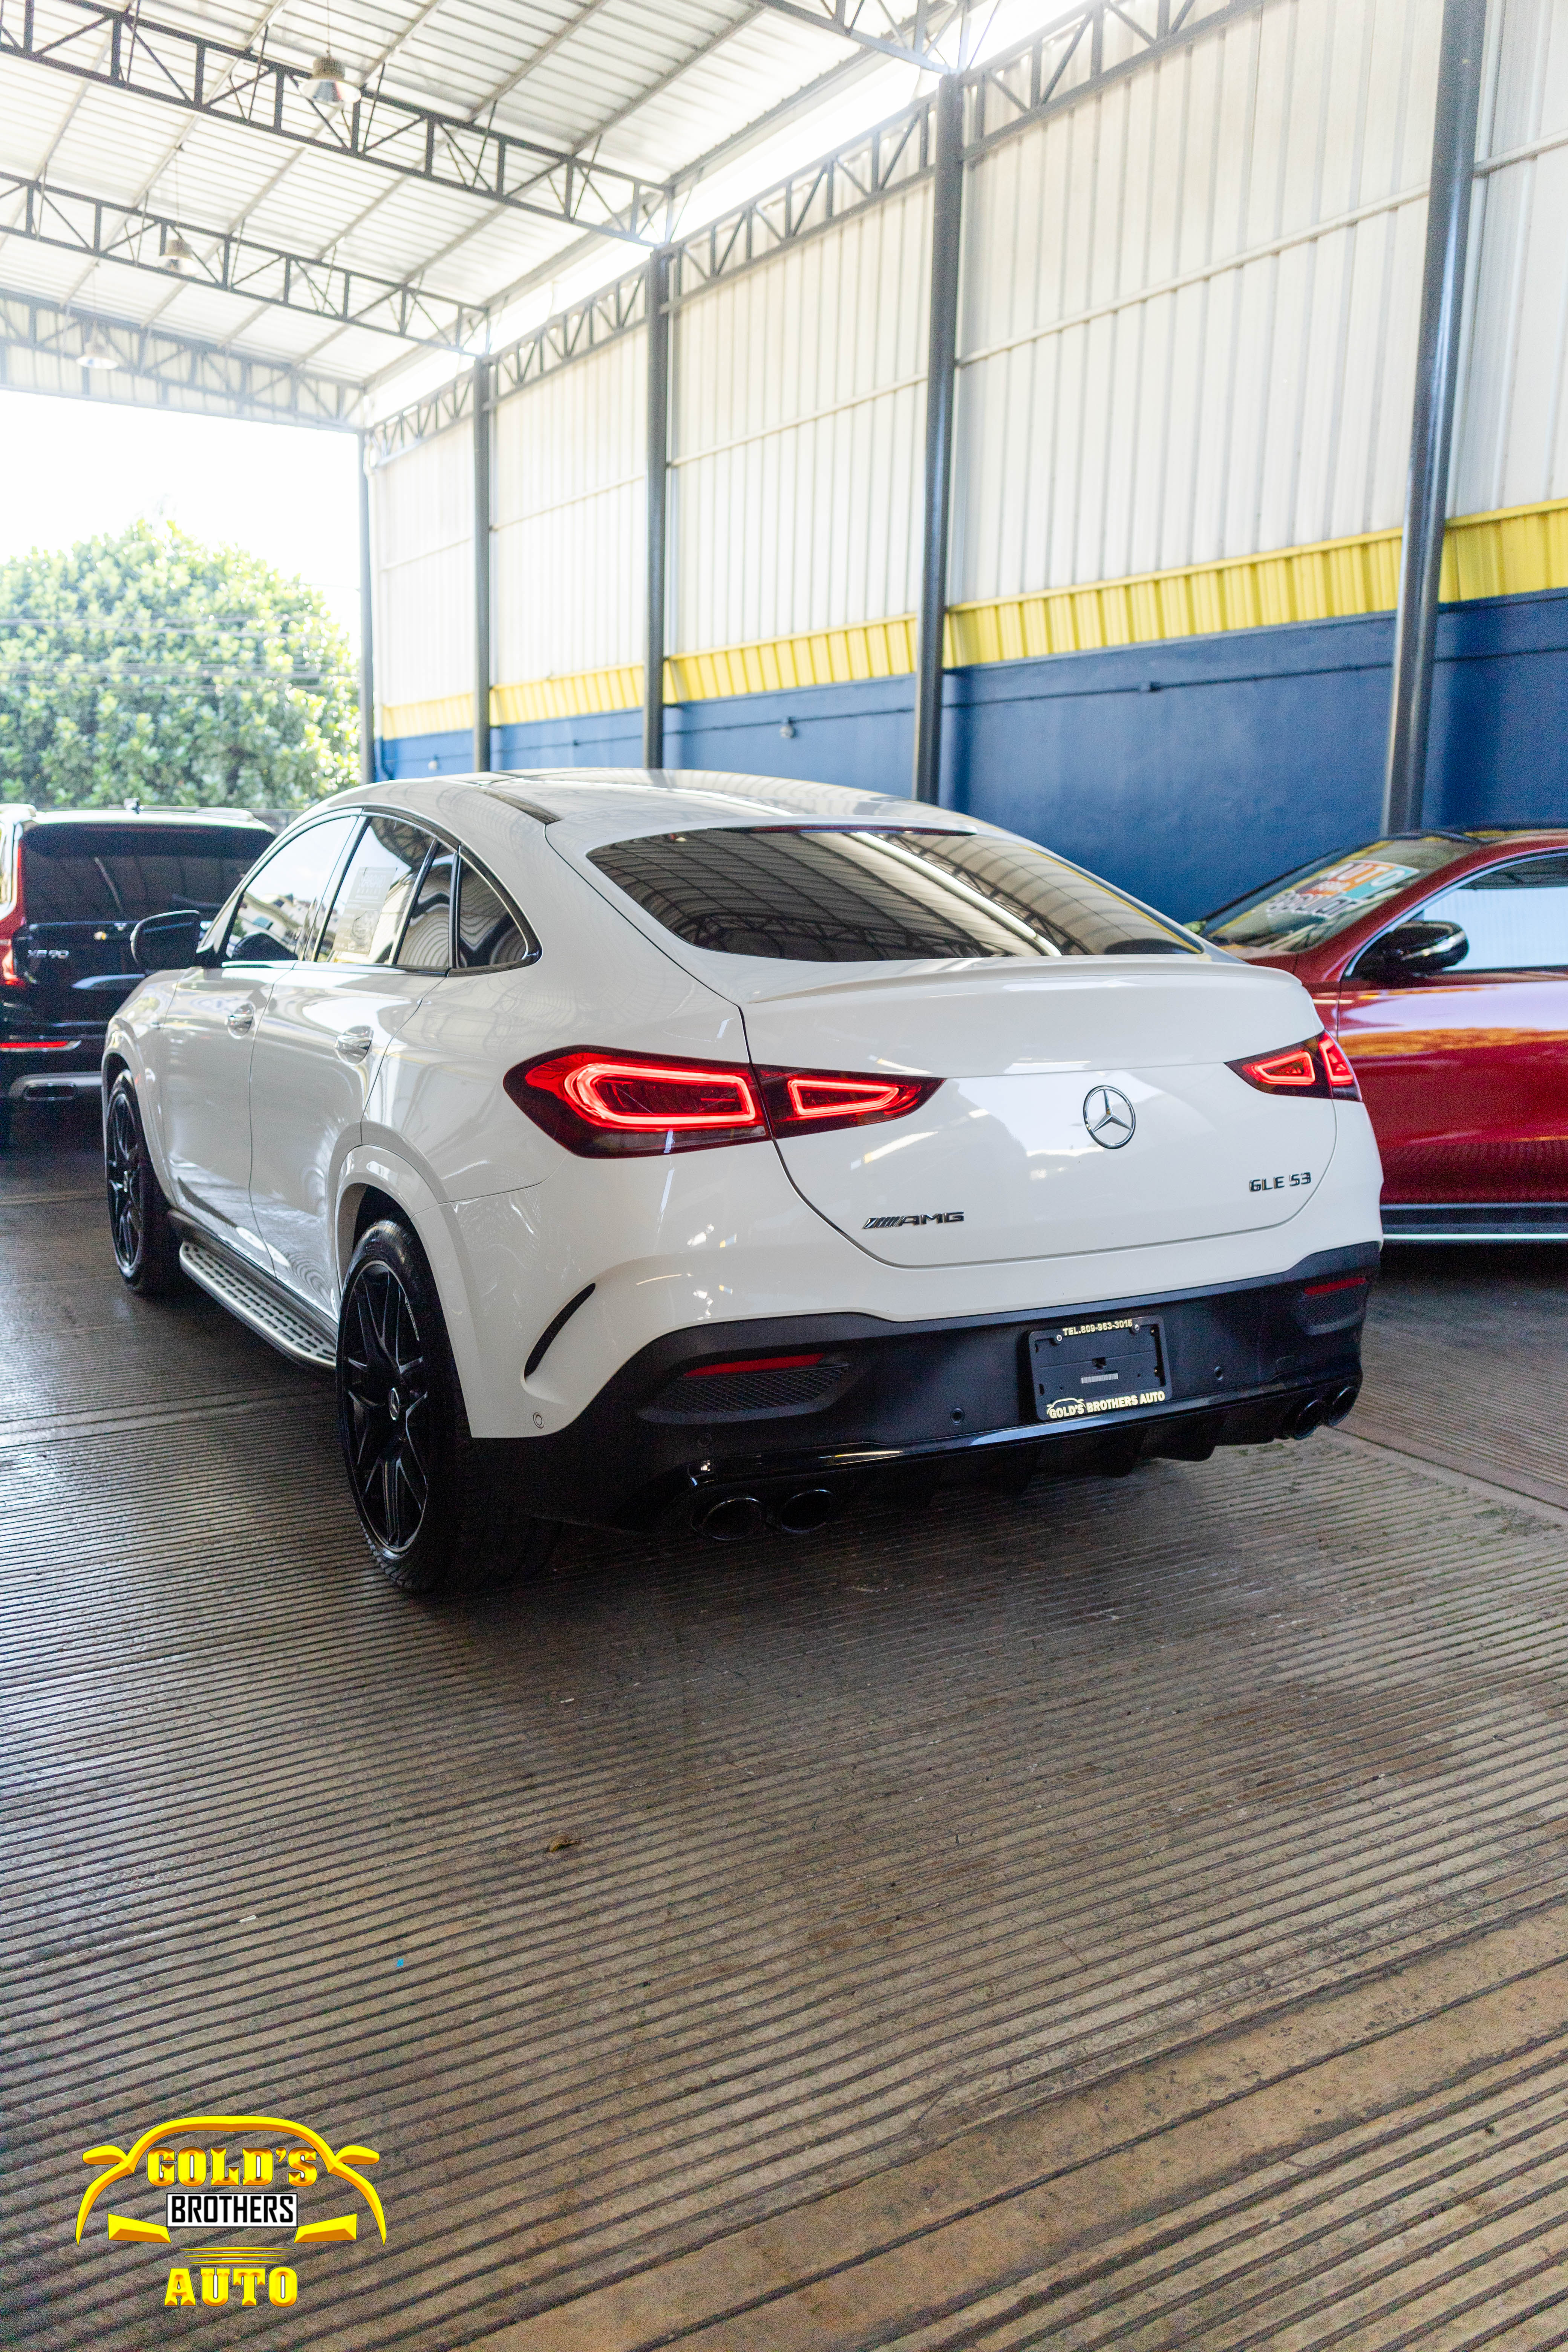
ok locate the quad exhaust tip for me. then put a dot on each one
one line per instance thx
(731, 1519)
(1324, 1410)
(734, 1517)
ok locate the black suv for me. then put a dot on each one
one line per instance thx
(73, 886)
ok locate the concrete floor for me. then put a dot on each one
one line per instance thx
(1133, 1914)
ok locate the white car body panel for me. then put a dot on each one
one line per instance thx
(318, 1048)
(515, 1226)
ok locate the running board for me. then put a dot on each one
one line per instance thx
(1481, 1221)
(254, 1303)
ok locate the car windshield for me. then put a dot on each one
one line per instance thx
(109, 873)
(843, 895)
(1301, 911)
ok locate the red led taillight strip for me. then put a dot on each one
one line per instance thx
(603, 1104)
(1318, 1067)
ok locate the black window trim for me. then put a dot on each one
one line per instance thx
(442, 839)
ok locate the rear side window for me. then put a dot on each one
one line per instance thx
(372, 899)
(1514, 917)
(277, 910)
(1303, 909)
(490, 932)
(96, 874)
(818, 895)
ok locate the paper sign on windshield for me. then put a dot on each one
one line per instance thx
(1355, 882)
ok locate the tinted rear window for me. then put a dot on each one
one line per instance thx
(816, 895)
(93, 874)
(1301, 911)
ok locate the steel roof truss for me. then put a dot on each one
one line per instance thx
(237, 265)
(180, 372)
(213, 78)
(936, 37)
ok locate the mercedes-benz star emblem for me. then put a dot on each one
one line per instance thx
(1108, 1116)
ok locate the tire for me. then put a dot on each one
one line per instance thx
(146, 1246)
(438, 1509)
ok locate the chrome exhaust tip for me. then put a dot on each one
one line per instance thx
(802, 1514)
(731, 1519)
(1340, 1401)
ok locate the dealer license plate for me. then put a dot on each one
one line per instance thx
(1083, 1371)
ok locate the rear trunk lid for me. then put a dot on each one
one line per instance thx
(1003, 1161)
(75, 972)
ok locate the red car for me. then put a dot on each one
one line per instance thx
(1440, 962)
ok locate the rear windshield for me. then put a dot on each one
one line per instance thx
(1302, 909)
(94, 874)
(812, 894)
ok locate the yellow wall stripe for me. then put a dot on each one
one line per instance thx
(1514, 552)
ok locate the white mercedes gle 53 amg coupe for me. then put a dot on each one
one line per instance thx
(638, 1145)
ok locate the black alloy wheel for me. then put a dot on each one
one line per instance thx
(146, 1246)
(384, 1370)
(442, 1511)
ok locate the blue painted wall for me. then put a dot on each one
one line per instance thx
(1185, 770)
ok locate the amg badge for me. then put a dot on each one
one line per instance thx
(940, 1217)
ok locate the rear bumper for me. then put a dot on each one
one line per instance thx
(58, 1066)
(1245, 1363)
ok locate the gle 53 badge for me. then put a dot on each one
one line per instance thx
(229, 2194)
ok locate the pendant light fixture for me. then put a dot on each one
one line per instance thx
(177, 255)
(328, 83)
(97, 351)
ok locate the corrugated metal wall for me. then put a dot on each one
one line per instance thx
(422, 555)
(797, 424)
(1512, 445)
(1187, 340)
(1190, 305)
(570, 518)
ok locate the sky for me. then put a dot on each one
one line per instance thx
(75, 469)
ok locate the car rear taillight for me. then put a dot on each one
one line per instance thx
(1341, 1077)
(11, 921)
(603, 1104)
(1317, 1067)
(810, 1102)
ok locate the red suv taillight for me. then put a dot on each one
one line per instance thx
(603, 1104)
(10, 917)
(1317, 1067)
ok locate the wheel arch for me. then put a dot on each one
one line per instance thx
(373, 1183)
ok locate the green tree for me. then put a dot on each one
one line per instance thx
(148, 666)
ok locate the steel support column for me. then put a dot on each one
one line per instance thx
(366, 629)
(481, 423)
(1432, 426)
(658, 309)
(940, 386)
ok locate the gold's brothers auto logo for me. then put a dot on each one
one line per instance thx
(226, 2194)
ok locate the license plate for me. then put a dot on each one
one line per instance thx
(1083, 1371)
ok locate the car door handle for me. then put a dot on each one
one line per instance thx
(242, 1019)
(354, 1044)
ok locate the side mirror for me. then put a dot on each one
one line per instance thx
(1412, 952)
(167, 942)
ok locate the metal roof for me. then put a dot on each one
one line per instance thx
(486, 145)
